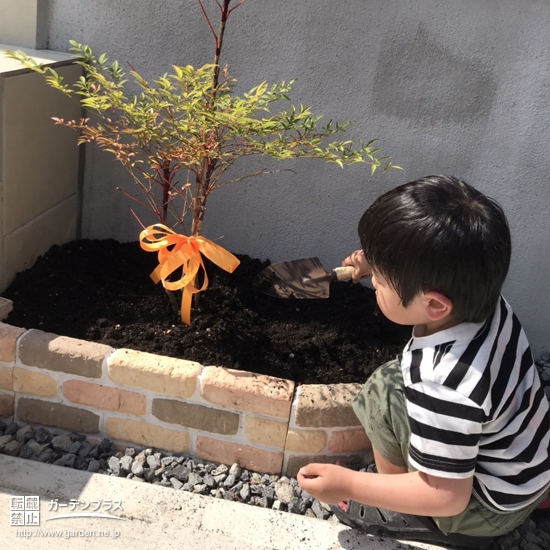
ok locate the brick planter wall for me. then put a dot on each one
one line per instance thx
(266, 424)
(323, 426)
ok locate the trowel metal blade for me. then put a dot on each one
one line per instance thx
(300, 279)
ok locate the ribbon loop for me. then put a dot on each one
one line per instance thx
(175, 251)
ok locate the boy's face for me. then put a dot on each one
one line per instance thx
(389, 303)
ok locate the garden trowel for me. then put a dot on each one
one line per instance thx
(305, 278)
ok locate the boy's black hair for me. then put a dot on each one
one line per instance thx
(439, 233)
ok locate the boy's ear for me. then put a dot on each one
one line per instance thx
(438, 305)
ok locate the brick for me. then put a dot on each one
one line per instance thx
(36, 411)
(34, 382)
(326, 406)
(263, 431)
(306, 441)
(247, 391)
(295, 462)
(6, 404)
(226, 452)
(347, 441)
(147, 435)
(62, 354)
(6, 379)
(8, 341)
(156, 373)
(194, 416)
(104, 397)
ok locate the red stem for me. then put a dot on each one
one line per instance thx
(208, 166)
(208, 21)
(166, 173)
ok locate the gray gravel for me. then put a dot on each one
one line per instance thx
(235, 483)
(148, 466)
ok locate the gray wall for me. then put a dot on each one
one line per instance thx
(458, 87)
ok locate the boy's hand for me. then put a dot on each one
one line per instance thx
(361, 267)
(325, 482)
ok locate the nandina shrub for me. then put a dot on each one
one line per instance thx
(178, 136)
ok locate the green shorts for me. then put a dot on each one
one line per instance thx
(381, 408)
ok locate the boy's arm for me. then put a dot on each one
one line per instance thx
(412, 493)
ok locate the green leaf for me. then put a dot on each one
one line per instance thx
(182, 123)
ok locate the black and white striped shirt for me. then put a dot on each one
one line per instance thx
(476, 407)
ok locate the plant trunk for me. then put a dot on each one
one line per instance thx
(202, 188)
(166, 177)
(204, 177)
(202, 182)
(219, 42)
(173, 299)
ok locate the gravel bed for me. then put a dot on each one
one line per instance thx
(179, 472)
(233, 483)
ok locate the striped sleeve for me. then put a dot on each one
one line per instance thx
(446, 429)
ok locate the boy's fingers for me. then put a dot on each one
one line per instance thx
(307, 470)
(310, 471)
(357, 275)
(359, 263)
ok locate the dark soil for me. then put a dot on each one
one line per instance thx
(100, 291)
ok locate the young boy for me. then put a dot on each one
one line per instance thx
(459, 423)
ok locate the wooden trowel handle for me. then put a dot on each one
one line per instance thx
(342, 273)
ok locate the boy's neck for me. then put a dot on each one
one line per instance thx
(432, 327)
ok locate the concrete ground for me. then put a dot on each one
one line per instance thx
(150, 516)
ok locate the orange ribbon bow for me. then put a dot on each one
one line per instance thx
(185, 253)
